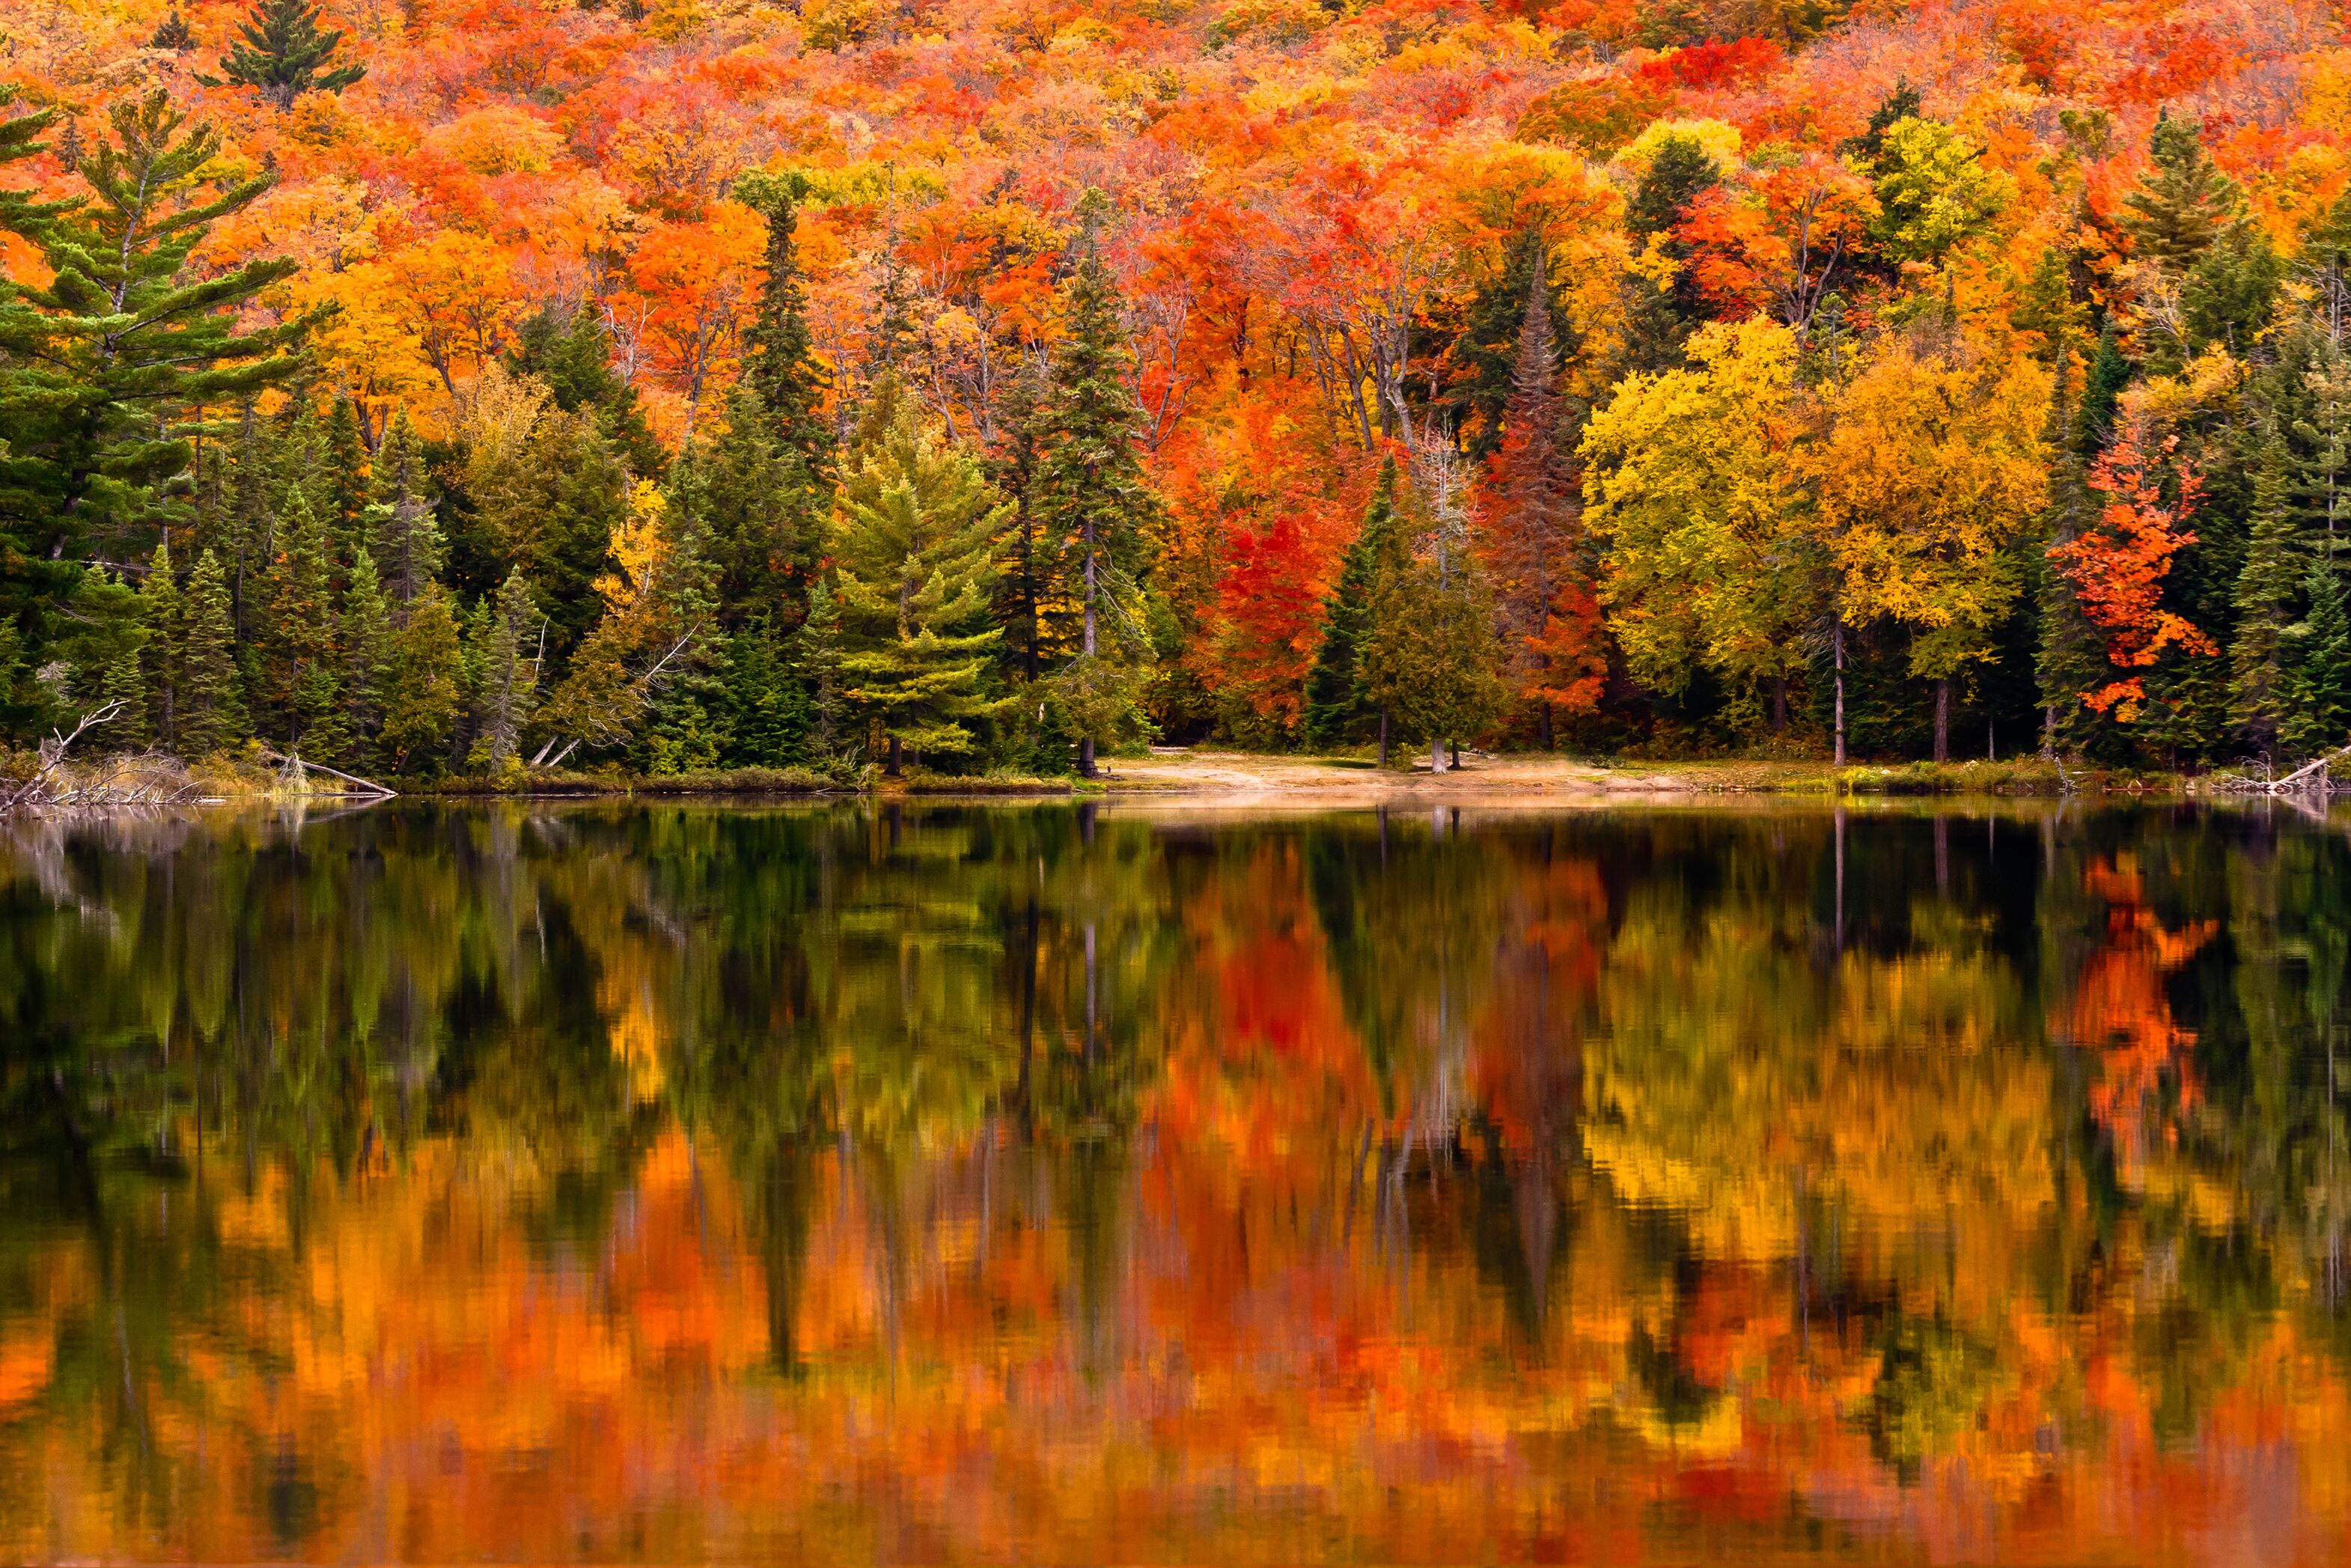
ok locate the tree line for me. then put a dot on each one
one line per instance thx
(1860, 520)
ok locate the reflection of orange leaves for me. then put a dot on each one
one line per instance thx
(2120, 1010)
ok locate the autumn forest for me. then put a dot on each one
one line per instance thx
(452, 387)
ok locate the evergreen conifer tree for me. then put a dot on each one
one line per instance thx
(1429, 661)
(2263, 603)
(344, 481)
(913, 559)
(1094, 513)
(110, 635)
(1338, 710)
(753, 498)
(780, 365)
(2319, 714)
(425, 690)
(506, 680)
(1661, 318)
(283, 53)
(165, 638)
(402, 535)
(818, 658)
(571, 355)
(211, 712)
(367, 659)
(2072, 659)
(300, 672)
(102, 366)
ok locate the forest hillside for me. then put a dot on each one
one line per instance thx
(458, 385)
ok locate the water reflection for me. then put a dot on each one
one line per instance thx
(1073, 1184)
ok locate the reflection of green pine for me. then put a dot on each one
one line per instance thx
(2319, 712)
(281, 51)
(1337, 708)
(211, 711)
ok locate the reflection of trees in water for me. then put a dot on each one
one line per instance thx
(1683, 1120)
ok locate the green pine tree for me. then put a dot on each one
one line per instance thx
(402, 534)
(819, 659)
(761, 516)
(2319, 712)
(103, 652)
(103, 367)
(769, 717)
(571, 354)
(780, 364)
(2072, 657)
(1094, 514)
(165, 636)
(367, 659)
(300, 672)
(913, 561)
(2187, 221)
(343, 482)
(211, 711)
(283, 53)
(1430, 658)
(424, 692)
(2263, 602)
(507, 679)
(1662, 318)
(1338, 707)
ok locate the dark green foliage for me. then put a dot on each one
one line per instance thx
(172, 34)
(367, 659)
(159, 601)
(751, 496)
(1338, 710)
(2320, 713)
(573, 355)
(301, 674)
(2263, 603)
(1663, 318)
(769, 703)
(103, 651)
(102, 366)
(1484, 347)
(402, 531)
(212, 712)
(283, 53)
(780, 364)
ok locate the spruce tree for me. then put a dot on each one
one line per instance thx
(769, 722)
(104, 652)
(1094, 514)
(2263, 603)
(367, 659)
(914, 562)
(571, 354)
(818, 644)
(301, 670)
(343, 483)
(780, 364)
(211, 712)
(2321, 445)
(759, 513)
(2187, 223)
(103, 366)
(424, 693)
(283, 53)
(165, 637)
(1338, 709)
(402, 534)
(506, 680)
(2072, 658)
(2319, 712)
(1662, 318)
(1431, 659)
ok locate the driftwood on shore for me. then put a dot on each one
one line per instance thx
(293, 773)
(57, 783)
(2313, 777)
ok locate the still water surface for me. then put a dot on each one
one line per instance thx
(1045, 1184)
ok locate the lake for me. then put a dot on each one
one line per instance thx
(605, 1182)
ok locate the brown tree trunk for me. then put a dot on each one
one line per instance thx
(1383, 737)
(1454, 748)
(1086, 757)
(1836, 641)
(897, 763)
(1543, 728)
(1943, 719)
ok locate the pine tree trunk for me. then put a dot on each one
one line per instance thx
(1090, 588)
(1836, 642)
(1454, 748)
(1943, 719)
